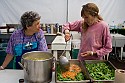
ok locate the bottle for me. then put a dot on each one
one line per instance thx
(57, 27)
(48, 29)
(112, 26)
(60, 28)
(123, 24)
(43, 27)
(51, 28)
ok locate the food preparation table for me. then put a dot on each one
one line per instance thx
(118, 40)
(59, 44)
(13, 76)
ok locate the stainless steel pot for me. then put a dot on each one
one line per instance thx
(38, 71)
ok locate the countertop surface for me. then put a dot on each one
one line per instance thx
(13, 76)
(118, 40)
(60, 40)
(118, 36)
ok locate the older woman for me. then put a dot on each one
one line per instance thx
(29, 38)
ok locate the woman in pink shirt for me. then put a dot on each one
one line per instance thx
(95, 35)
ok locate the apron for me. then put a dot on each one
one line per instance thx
(20, 49)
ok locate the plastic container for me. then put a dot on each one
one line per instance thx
(75, 48)
(75, 53)
(75, 44)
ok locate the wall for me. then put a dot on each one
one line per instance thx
(51, 11)
(110, 10)
(55, 11)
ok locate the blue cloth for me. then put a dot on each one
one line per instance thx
(20, 49)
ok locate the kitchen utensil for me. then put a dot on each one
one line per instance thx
(64, 62)
(37, 66)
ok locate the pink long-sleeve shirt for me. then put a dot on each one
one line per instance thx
(97, 38)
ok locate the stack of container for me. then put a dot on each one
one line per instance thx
(75, 48)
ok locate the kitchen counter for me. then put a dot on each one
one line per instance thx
(118, 40)
(13, 76)
(60, 44)
(5, 35)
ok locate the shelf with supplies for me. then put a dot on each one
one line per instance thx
(51, 28)
(50, 31)
(9, 28)
(119, 31)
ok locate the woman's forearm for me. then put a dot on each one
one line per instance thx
(7, 60)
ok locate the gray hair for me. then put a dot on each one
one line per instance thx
(28, 18)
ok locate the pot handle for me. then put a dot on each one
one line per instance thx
(21, 65)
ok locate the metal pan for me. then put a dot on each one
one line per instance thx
(77, 62)
(108, 63)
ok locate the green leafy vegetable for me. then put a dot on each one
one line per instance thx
(100, 71)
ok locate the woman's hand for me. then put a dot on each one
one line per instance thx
(87, 53)
(1, 68)
(67, 37)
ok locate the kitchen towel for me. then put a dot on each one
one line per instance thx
(119, 76)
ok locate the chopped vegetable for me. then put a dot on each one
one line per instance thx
(100, 71)
(73, 74)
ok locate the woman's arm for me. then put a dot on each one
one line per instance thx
(73, 26)
(6, 61)
(107, 43)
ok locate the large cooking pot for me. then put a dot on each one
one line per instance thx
(37, 66)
